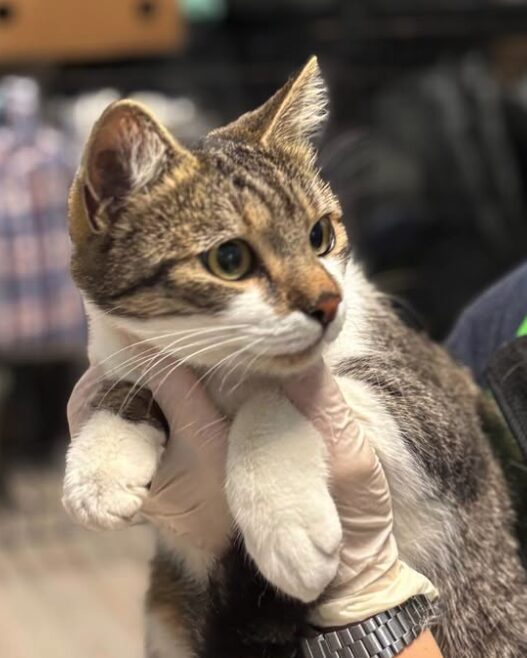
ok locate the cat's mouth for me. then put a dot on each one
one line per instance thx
(303, 353)
(292, 361)
(295, 358)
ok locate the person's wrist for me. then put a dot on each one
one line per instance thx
(424, 646)
(384, 635)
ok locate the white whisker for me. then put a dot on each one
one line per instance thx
(232, 370)
(138, 361)
(170, 334)
(153, 347)
(247, 370)
(215, 367)
(164, 354)
(207, 426)
(191, 356)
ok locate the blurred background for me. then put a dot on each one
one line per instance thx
(426, 147)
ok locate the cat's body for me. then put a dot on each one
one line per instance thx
(423, 414)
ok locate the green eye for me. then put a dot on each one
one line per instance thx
(322, 237)
(230, 261)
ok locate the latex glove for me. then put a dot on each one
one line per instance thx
(371, 578)
(187, 491)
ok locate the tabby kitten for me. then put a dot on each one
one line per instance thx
(238, 246)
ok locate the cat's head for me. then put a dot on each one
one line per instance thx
(232, 251)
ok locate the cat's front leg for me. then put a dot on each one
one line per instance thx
(112, 459)
(277, 488)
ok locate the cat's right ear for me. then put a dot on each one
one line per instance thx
(292, 116)
(128, 152)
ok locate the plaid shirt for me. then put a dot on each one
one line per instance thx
(40, 309)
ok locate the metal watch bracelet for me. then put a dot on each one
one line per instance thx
(382, 636)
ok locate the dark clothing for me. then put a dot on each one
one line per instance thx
(493, 319)
(491, 322)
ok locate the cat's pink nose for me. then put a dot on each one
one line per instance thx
(326, 308)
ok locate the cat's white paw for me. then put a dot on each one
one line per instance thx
(300, 554)
(109, 467)
(278, 493)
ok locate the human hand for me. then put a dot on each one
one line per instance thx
(116, 471)
(371, 578)
(187, 494)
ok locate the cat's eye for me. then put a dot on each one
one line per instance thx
(231, 260)
(322, 237)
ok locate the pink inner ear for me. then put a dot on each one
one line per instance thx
(109, 158)
(109, 164)
(112, 177)
(125, 153)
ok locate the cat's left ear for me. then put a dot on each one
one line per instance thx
(295, 114)
(127, 154)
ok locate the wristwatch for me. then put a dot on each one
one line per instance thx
(382, 636)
